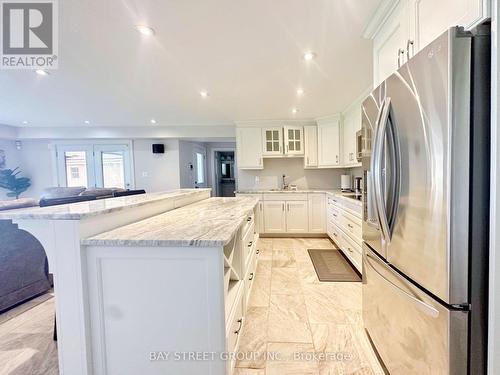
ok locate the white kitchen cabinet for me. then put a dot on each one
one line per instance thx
(329, 142)
(259, 211)
(294, 140)
(429, 18)
(317, 212)
(310, 146)
(297, 217)
(274, 217)
(272, 141)
(249, 148)
(351, 125)
(400, 28)
(389, 43)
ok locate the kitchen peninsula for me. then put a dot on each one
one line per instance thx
(163, 272)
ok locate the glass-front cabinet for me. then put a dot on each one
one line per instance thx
(273, 141)
(294, 140)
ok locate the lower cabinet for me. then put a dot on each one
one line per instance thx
(296, 217)
(274, 217)
(317, 214)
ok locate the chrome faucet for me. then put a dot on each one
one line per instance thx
(284, 184)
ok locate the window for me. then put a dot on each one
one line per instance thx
(99, 165)
(200, 168)
(76, 168)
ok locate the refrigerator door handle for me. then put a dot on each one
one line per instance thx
(372, 192)
(424, 307)
(377, 169)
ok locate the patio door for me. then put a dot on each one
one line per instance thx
(112, 166)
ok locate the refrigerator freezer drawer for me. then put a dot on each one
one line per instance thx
(413, 333)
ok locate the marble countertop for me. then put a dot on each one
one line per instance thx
(209, 223)
(333, 192)
(81, 210)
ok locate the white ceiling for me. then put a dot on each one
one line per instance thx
(245, 53)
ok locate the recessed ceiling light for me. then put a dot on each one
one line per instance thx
(41, 72)
(308, 56)
(25, 122)
(87, 122)
(145, 30)
(300, 92)
(294, 110)
(204, 94)
(153, 121)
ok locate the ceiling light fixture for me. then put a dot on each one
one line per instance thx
(153, 121)
(87, 122)
(41, 72)
(308, 56)
(145, 30)
(300, 92)
(204, 94)
(25, 122)
(294, 110)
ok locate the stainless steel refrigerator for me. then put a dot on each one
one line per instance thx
(426, 198)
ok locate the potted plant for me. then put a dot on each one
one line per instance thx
(15, 185)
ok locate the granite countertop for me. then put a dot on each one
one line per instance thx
(209, 223)
(81, 210)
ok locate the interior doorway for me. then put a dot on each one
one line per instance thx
(224, 176)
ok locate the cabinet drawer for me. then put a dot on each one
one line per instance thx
(333, 201)
(336, 235)
(247, 224)
(285, 197)
(249, 279)
(234, 328)
(351, 226)
(334, 215)
(352, 250)
(248, 244)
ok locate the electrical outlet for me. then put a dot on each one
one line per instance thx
(145, 174)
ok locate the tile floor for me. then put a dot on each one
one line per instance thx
(291, 312)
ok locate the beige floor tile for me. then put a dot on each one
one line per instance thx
(249, 371)
(285, 281)
(265, 244)
(307, 273)
(261, 290)
(266, 254)
(288, 319)
(253, 341)
(283, 243)
(294, 359)
(283, 258)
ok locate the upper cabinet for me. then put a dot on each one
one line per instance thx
(249, 148)
(329, 142)
(272, 141)
(351, 126)
(400, 28)
(310, 146)
(294, 140)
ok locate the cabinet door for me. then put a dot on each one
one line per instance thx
(272, 141)
(329, 145)
(249, 148)
(432, 18)
(310, 146)
(274, 217)
(390, 43)
(297, 217)
(352, 123)
(294, 140)
(317, 213)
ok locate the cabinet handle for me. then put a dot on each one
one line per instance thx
(283, 207)
(251, 276)
(257, 251)
(287, 149)
(400, 52)
(336, 158)
(249, 218)
(288, 206)
(240, 321)
(349, 249)
(409, 43)
(350, 226)
(261, 206)
(335, 234)
(250, 244)
(334, 215)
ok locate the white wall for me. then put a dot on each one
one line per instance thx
(156, 172)
(186, 157)
(293, 168)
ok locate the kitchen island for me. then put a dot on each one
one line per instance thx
(168, 294)
(60, 229)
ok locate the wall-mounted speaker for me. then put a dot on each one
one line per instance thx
(158, 148)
